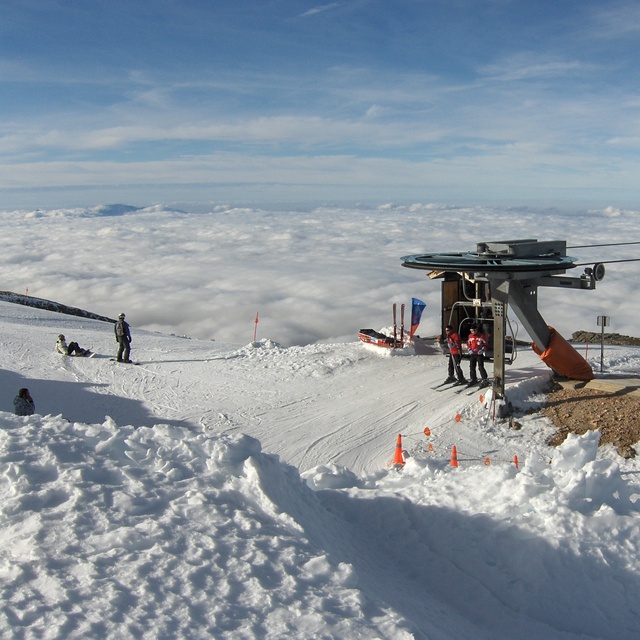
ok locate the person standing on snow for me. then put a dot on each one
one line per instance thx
(23, 403)
(477, 345)
(123, 338)
(455, 356)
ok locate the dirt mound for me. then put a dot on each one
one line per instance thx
(577, 410)
(616, 414)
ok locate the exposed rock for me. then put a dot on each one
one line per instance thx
(626, 451)
(41, 303)
(608, 338)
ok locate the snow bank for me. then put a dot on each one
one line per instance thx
(160, 532)
(176, 518)
(155, 532)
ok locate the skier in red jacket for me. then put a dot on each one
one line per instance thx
(455, 356)
(477, 345)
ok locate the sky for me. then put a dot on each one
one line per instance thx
(357, 101)
(244, 491)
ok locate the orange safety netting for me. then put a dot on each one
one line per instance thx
(563, 358)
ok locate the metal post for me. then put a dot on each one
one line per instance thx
(499, 311)
(603, 321)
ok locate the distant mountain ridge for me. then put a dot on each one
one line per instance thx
(102, 211)
(49, 305)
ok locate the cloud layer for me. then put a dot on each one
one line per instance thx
(312, 275)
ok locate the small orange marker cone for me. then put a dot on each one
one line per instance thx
(454, 456)
(431, 449)
(515, 461)
(398, 458)
(427, 431)
(487, 462)
(481, 398)
(458, 418)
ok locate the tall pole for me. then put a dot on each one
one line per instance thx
(603, 321)
(499, 311)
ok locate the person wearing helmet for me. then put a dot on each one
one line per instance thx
(73, 348)
(123, 338)
(455, 357)
(477, 345)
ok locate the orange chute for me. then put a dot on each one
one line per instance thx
(562, 357)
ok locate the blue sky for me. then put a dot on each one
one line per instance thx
(479, 101)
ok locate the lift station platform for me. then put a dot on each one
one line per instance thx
(483, 285)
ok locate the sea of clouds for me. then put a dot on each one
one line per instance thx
(310, 275)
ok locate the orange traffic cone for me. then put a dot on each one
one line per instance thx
(427, 431)
(398, 458)
(431, 449)
(454, 456)
(515, 461)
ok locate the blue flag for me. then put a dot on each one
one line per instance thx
(417, 307)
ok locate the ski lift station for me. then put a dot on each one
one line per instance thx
(482, 286)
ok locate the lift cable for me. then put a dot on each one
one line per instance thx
(612, 244)
(588, 264)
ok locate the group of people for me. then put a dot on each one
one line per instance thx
(123, 338)
(477, 344)
(23, 403)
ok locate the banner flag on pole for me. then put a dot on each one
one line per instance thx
(417, 307)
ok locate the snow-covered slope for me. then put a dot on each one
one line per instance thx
(228, 491)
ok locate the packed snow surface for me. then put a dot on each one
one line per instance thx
(244, 491)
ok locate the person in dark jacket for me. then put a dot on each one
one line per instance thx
(23, 403)
(123, 338)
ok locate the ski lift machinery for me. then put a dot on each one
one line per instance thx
(464, 313)
(512, 270)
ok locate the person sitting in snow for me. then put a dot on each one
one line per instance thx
(23, 403)
(73, 348)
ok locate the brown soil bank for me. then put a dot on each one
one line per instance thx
(615, 413)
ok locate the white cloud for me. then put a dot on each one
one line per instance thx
(313, 275)
(529, 66)
(617, 20)
(319, 9)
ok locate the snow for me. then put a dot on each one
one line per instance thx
(236, 491)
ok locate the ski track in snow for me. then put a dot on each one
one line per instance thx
(356, 428)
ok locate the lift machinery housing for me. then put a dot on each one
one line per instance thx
(510, 272)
